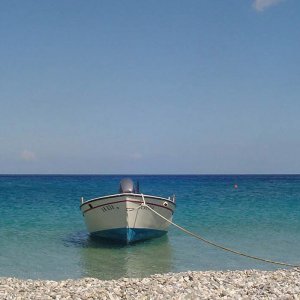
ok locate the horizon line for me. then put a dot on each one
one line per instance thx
(149, 174)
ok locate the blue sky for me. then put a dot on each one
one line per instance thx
(151, 87)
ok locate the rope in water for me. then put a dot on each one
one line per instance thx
(217, 245)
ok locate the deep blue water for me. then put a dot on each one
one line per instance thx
(43, 235)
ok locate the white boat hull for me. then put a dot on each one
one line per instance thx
(122, 217)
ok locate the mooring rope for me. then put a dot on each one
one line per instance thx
(217, 245)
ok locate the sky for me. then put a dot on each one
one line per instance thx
(150, 87)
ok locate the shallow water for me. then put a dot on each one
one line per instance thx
(43, 235)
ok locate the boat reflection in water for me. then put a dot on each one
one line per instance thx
(106, 260)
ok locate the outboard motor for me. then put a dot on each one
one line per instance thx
(126, 186)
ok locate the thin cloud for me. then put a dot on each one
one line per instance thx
(28, 155)
(136, 156)
(261, 5)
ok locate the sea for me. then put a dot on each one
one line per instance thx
(43, 234)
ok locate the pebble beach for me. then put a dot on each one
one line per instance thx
(248, 284)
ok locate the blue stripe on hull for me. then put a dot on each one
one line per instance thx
(129, 235)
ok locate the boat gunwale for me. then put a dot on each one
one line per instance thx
(127, 194)
(132, 201)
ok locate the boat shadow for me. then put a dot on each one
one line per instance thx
(82, 239)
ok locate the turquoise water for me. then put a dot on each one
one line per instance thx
(43, 235)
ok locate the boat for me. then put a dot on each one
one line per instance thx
(128, 216)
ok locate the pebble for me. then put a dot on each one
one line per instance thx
(248, 284)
